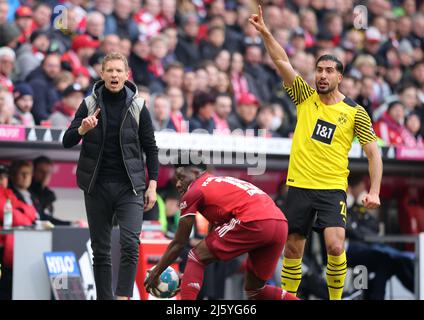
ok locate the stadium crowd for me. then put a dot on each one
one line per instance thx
(201, 65)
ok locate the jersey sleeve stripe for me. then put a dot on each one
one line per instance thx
(188, 214)
(299, 91)
(363, 126)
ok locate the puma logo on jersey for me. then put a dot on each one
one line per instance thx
(183, 205)
(194, 285)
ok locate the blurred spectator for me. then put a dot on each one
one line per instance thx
(212, 72)
(62, 81)
(408, 95)
(29, 55)
(125, 47)
(334, 25)
(223, 107)
(148, 19)
(189, 88)
(366, 96)
(7, 108)
(83, 47)
(171, 35)
(177, 121)
(202, 79)
(253, 66)
(160, 112)
(213, 44)
(394, 78)
(203, 108)
(223, 61)
(187, 51)
(138, 61)
(120, 22)
(9, 35)
(7, 62)
(95, 66)
(41, 80)
(351, 87)
(223, 83)
(65, 109)
(42, 14)
(23, 20)
(109, 44)
(245, 116)
(23, 95)
(20, 181)
(95, 25)
(4, 9)
(144, 93)
(104, 6)
(413, 126)
(241, 81)
(43, 196)
(281, 122)
(23, 215)
(390, 127)
(154, 68)
(265, 122)
(172, 77)
(167, 15)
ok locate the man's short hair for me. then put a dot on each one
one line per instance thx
(16, 165)
(41, 160)
(330, 57)
(115, 56)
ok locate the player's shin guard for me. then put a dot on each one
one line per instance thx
(192, 279)
(336, 273)
(270, 293)
(291, 275)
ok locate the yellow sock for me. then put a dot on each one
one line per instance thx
(336, 273)
(291, 275)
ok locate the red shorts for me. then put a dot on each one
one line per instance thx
(263, 240)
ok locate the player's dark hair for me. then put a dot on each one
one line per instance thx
(330, 57)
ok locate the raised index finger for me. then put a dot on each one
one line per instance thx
(260, 12)
(96, 113)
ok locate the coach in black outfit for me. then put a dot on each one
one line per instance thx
(116, 129)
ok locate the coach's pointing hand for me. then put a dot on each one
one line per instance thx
(257, 21)
(89, 123)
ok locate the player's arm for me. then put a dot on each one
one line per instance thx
(276, 52)
(173, 251)
(375, 168)
(368, 140)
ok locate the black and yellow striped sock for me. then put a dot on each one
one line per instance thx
(336, 273)
(291, 275)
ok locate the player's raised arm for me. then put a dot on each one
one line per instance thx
(276, 52)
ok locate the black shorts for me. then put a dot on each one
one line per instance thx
(317, 209)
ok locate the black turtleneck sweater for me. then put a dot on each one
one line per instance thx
(112, 168)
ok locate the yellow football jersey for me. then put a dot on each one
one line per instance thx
(323, 137)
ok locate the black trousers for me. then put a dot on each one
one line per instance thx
(6, 279)
(109, 199)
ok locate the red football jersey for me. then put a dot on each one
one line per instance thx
(219, 199)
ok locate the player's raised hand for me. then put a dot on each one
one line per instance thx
(89, 122)
(257, 20)
(371, 201)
